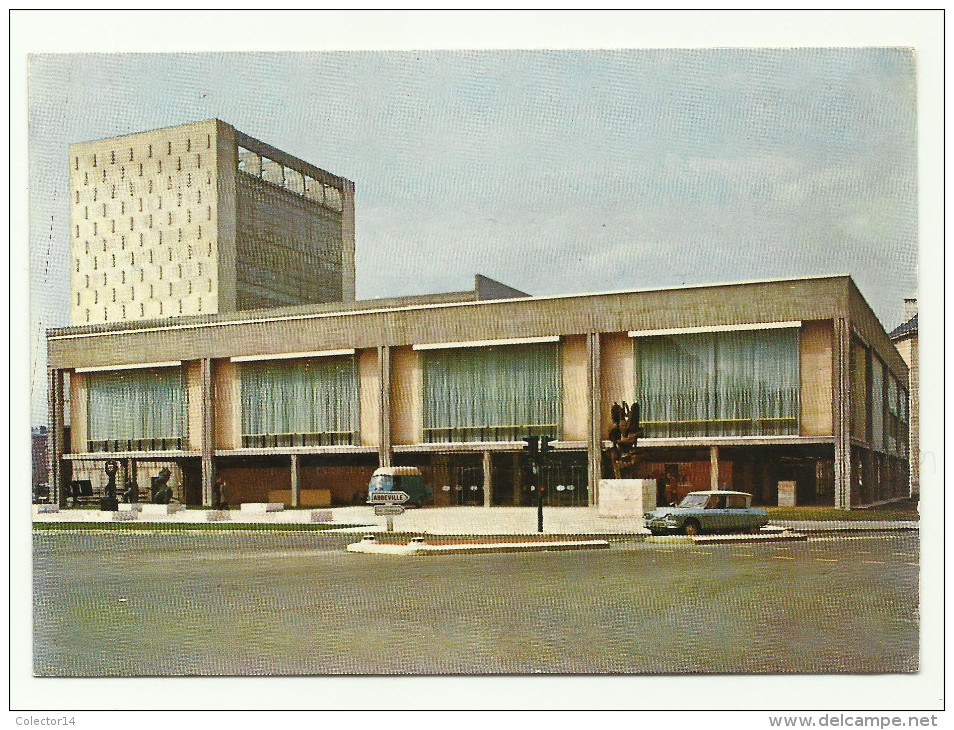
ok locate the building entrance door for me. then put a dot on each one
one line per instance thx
(468, 484)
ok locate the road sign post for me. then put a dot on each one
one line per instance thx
(388, 510)
(388, 504)
(388, 497)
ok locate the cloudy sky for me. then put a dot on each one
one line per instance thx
(553, 171)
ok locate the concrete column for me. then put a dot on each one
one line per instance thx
(842, 413)
(294, 480)
(207, 437)
(347, 242)
(713, 467)
(384, 429)
(488, 479)
(55, 443)
(133, 477)
(594, 448)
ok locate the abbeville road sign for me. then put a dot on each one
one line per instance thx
(388, 497)
(388, 510)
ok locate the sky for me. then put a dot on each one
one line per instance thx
(565, 171)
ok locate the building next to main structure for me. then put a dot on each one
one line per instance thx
(905, 338)
(203, 219)
(741, 385)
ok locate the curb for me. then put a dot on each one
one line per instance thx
(418, 547)
(730, 539)
(821, 527)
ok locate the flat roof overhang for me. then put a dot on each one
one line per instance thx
(264, 333)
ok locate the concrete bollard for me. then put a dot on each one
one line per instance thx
(321, 515)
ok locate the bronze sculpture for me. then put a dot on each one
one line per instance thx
(109, 503)
(161, 491)
(624, 434)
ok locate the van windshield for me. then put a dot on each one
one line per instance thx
(380, 483)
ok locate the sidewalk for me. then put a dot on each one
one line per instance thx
(434, 521)
(451, 521)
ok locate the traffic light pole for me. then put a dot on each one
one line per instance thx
(538, 447)
(539, 509)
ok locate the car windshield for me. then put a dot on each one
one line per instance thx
(694, 501)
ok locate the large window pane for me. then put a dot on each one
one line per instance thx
(492, 394)
(132, 410)
(877, 405)
(743, 383)
(294, 181)
(859, 390)
(273, 171)
(249, 162)
(307, 402)
(893, 414)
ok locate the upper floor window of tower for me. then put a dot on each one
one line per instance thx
(249, 162)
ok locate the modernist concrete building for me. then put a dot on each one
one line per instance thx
(741, 385)
(905, 338)
(202, 219)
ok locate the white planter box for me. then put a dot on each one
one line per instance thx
(161, 509)
(261, 508)
(626, 498)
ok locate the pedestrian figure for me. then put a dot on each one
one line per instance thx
(220, 495)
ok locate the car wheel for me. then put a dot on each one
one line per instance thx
(691, 527)
(420, 503)
(754, 530)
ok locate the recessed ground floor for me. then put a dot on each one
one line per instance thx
(799, 475)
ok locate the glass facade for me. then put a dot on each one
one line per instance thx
(493, 393)
(893, 415)
(743, 383)
(302, 402)
(254, 164)
(877, 405)
(859, 390)
(136, 410)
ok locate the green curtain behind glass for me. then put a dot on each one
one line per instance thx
(314, 397)
(743, 383)
(136, 405)
(493, 393)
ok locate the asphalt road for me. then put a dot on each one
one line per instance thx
(139, 604)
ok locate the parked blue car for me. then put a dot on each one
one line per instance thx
(715, 511)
